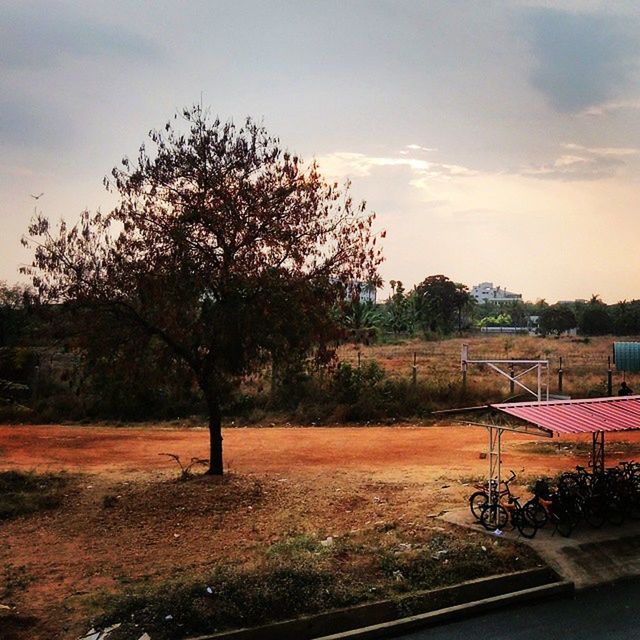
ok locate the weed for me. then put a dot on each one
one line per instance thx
(27, 492)
(186, 472)
(582, 449)
(295, 546)
(15, 579)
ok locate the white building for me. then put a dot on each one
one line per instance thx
(486, 292)
(367, 292)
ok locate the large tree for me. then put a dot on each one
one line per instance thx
(441, 303)
(594, 318)
(225, 248)
(557, 319)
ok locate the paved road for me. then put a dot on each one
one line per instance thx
(603, 613)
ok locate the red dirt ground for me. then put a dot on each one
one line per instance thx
(327, 481)
(389, 451)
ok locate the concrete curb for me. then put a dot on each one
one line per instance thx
(452, 614)
(389, 617)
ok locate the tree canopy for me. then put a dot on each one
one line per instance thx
(557, 319)
(441, 303)
(224, 248)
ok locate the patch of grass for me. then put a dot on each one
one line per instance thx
(305, 574)
(471, 479)
(295, 546)
(27, 492)
(228, 597)
(14, 580)
(614, 448)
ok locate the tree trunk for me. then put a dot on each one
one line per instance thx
(215, 436)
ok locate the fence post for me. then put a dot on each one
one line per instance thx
(609, 377)
(560, 376)
(414, 370)
(463, 366)
(512, 384)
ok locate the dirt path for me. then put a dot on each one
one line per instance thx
(398, 451)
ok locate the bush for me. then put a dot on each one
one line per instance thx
(350, 383)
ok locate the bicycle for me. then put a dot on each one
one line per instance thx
(549, 506)
(509, 509)
(480, 499)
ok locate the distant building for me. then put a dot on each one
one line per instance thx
(570, 302)
(486, 292)
(364, 292)
(367, 292)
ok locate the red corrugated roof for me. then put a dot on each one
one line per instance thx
(579, 416)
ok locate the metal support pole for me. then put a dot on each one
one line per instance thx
(512, 383)
(495, 440)
(464, 356)
(597, 453)
(560, 376)
(539, 382)
(546, 393)
(609, 377)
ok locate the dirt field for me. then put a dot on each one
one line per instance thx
(283, 482)
(393, 453)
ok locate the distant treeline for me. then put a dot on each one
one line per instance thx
(439, 307)
(66, 364)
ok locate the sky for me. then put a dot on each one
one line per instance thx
(496, 141)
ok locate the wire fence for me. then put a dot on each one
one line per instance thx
(579, 373)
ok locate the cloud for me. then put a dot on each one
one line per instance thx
(584, 163)
(582, 59)
(32, 38)
(610, 107)
(603, 151)
(349, 164)
(417, 147)
(576, 162)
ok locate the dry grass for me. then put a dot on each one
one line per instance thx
(584, 361)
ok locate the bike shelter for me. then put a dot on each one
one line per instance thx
(593, 416)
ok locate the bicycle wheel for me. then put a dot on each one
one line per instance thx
(477, 502)
(524, 523)
(564, 526)
(568, 485)
(494, 517)
(562, 518)
(536, 513)
(594, 512)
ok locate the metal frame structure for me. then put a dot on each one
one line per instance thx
(506, 368)
(494, 449)
(597, 453)
(594, 416)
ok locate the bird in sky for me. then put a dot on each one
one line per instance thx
(37, 197)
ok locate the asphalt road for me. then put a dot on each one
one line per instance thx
(603, 613)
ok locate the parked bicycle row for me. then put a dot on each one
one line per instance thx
(579, 496)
